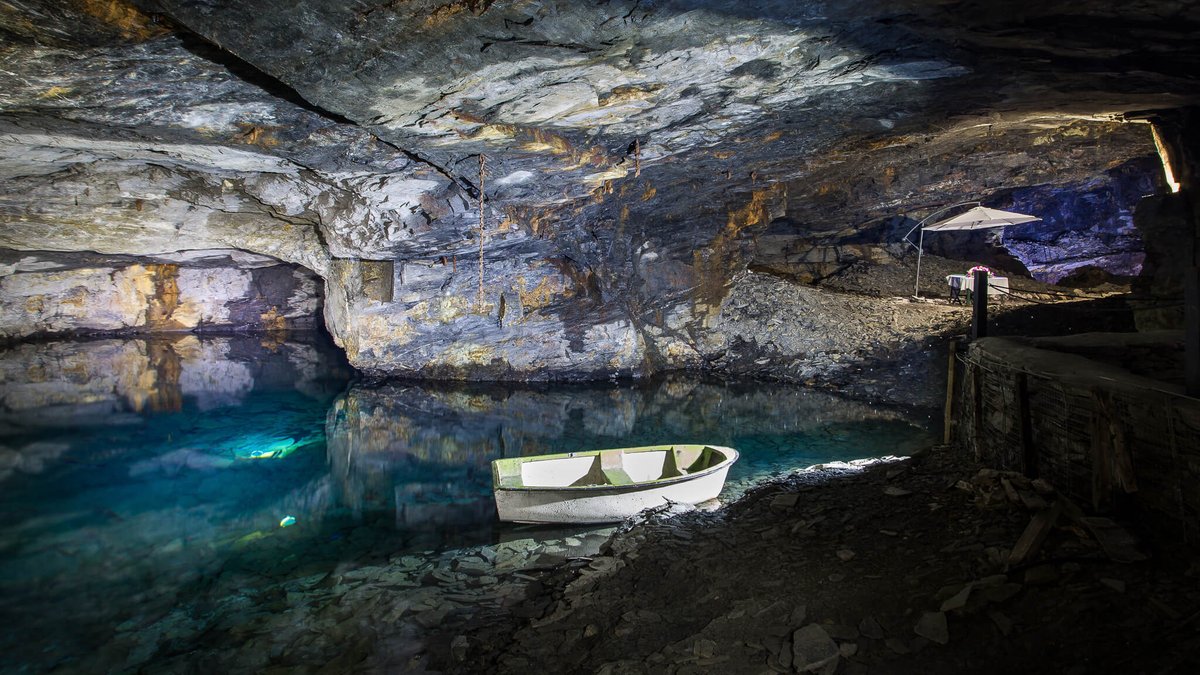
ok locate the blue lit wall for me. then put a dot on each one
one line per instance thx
(1087, 224)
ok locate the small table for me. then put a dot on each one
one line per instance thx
(966, 282)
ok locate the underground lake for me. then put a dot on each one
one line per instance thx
(218, 501)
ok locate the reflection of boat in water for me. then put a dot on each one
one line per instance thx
(599, 486)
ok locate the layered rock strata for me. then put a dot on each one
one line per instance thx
(555, 190)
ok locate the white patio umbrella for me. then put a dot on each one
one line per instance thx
(978, 218)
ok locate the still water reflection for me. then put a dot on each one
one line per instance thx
(144, 484)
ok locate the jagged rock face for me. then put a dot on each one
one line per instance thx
(1084, 226)
(56, 293)
(638, 155)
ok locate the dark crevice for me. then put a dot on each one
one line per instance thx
(461, 182)
(203, 48)
(571, 46)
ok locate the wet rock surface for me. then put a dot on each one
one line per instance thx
(56, 294)
(941, 580)
(639, 157)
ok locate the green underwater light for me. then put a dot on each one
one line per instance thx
(256, 447)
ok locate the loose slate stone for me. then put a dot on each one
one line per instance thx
(893, 491)
(932, 627)
(896, 645)
(813, 651)
(488, 553)
(841, 632)
(1001, 593)
(1041, 574)
(704, 648)
(845, 555)
(869, 627)
(1118, 544)
(1002, 621)
(786, 500)
(798, 614)
(958, 600)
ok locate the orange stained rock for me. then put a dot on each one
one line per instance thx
(166, 296)
(540, 295)
(253, 134)
(441, 14)
(273, 321)
(714, 265)
(123, 16)
(630, 92)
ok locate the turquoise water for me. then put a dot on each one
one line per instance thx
(159, 496)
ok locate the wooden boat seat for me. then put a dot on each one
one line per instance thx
(612, 463)
(693, 459)
(594, 476)
(670, 465)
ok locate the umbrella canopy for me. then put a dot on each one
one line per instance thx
(981, 218)
(978, 218)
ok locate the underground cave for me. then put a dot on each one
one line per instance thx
(281, 281)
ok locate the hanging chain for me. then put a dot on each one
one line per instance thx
(637, 157)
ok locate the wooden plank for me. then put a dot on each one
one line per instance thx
(1102, 479)
(1191, 325)
(1029, 464)
(1010, 491)
(1034, 536)
(1112, 461)
(612, 463)
(948, 418)
(1122, 460)
(977, 411)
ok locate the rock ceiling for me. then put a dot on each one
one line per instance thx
(631, 148)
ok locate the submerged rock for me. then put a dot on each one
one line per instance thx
(813, 651)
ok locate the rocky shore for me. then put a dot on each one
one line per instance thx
(921, 565)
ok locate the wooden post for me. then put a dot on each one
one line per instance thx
(1028, 453)
(1112, 465)
(1034, 535)
(979, 305)
(948, 420)
(1101, 464)
(1191, 282)
(1191, 329)
(977, 410)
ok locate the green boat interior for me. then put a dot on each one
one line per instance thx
(605, 467)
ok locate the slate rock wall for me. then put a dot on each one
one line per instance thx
(1088, 224)
(141, 297)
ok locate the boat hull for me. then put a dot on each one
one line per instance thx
(604, 504)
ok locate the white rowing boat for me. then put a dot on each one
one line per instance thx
(602, 486)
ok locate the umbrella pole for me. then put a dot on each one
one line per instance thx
(920, 250)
